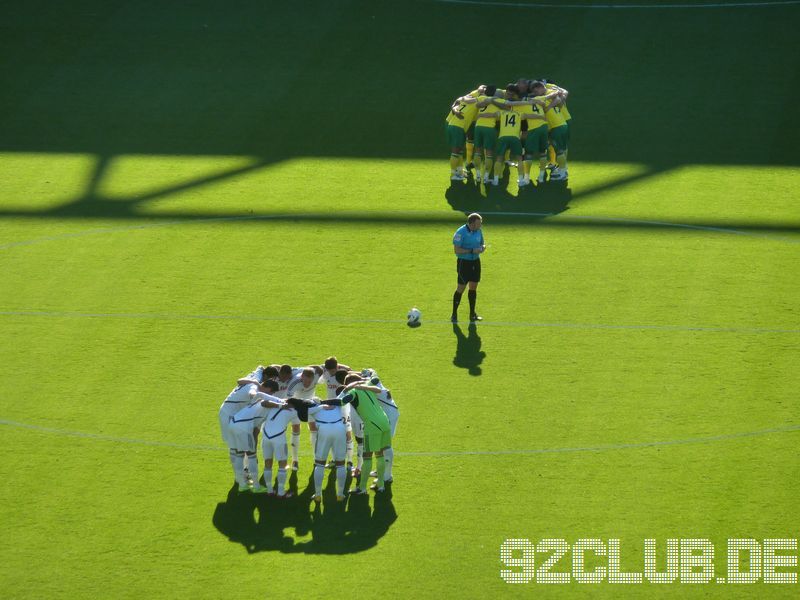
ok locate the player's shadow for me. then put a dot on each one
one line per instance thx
(468, 349)
(261, 524)
(540, 201)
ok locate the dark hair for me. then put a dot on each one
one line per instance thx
(512, 88)
(271, 385)
(269, 373)
(490, 90)
(340, 376)
(351, 378)
(331, 363)
(474, 217)
(309, 372)
(339, 390)
(286, 370)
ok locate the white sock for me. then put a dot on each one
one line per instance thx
(341, 475)
(268, 478)
(319, 473)
(281, 481)
(360, 456)
(252, 466)
(349, 452)
(295, 446)
(237, 462)
(388, 459)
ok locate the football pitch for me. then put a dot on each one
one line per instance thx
(190, 189)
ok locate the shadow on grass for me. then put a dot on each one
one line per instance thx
(468, 349)
(263, 524)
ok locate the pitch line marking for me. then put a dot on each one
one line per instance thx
(443, 453)
(344, 214)
(767, 3)
(189, 317)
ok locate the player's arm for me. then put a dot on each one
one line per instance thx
(369, 388)
(268, 401)
(555, 101)
(246, 381)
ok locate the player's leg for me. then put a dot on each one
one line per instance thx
(558, 137)
(370, 445)
(339, 452)
(456, 139)
(499, 161)
(312, 429)
(516, 154)
(378, 486)
(295, 443)
(268, 453)
(321, 450)
(388, 453)
(237, 462)
(282, 456)
(470, 145)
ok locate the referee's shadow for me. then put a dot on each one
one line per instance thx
(543, 200)
(262, 524)
(468, 349)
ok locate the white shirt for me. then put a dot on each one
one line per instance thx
(253, 415)
(296, 388)
(240, 397)
(284, 385)
(278, 420)
(385, 398)
(331, 385)
(326, 416)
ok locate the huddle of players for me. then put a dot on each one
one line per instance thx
(270, 399)
(514, 126)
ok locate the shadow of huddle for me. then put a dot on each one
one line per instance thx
(541, 201)
(259, 522)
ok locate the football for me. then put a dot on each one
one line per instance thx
(414, 316)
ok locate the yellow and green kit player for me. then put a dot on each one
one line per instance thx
(485, 134)
(557, 126)
(536, 140)
(377, 430)
(458, 121)
(510, 118)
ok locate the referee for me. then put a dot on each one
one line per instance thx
(468, 245)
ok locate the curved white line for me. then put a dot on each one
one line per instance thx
(442, 453)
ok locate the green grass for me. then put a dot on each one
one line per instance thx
(176, 198)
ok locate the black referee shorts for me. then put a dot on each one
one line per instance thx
(468, 270)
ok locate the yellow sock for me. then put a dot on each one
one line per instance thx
(454, 158)
(470, 150)
(528, 164)
(561, 160)
(551, 154)
(499, 166)
(478, 160)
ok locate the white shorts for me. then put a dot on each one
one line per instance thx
(243, 438)
(393, 415)
(357, 425)
(227, 432)
(274, 448)
(331, 437)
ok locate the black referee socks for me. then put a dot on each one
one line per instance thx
(472, 295)
(456, 301)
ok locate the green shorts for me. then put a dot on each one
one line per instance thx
(509, 142)
(456, 137)
(536, 142)
(485, 137)
(559, 137)
(376, 438)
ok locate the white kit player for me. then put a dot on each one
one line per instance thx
(273, 447)
(243, 428)
(331, 436)
(241, 396)
(330, 367)
(303, 386)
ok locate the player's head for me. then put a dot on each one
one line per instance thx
(351, 378)
(523, 85)
(331, 364)
(340, 376)
(285, 373)
(537, 89)
(271, 386)
(307, 376)
(474, 221)
(490, 90)
(339, 390)
(269, 373)
(512, 91)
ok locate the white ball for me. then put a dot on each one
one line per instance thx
(414, 316)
